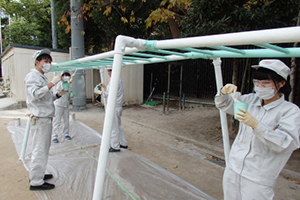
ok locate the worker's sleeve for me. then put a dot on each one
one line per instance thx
(225, 102)
(36, 89)
(286, 134)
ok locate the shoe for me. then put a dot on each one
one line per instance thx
(46, 177)
(68, 137)
(45, 186)
(55, 140)
(113, 150)
(123, 147)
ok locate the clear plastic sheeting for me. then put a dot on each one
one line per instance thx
(73, 164)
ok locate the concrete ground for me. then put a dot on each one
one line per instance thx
(192, 159)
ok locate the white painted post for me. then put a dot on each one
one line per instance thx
(109, 113)
(219, 81)
(102, 89)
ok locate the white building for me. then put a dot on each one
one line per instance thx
(17, 62)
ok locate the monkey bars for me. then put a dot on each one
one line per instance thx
(129, 51)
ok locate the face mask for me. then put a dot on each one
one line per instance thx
(46, 67)
(66, 78)
(265, 92)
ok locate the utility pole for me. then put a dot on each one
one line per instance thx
(77, 51)
(54, 32)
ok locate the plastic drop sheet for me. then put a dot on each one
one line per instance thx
(73, 164)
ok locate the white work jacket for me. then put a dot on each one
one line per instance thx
(39, 98)
(64, 100)
(260, 154)
(120, 93)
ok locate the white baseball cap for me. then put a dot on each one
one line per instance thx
(40, 52)
(275, 65)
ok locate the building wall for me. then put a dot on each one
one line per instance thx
(133, 83)
(17, 63)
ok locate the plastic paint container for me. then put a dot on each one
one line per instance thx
(65, 86)
(237, 105)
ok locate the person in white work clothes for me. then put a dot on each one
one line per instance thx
(62, 110)
(269, 132)
(117, 138)
(39, 100)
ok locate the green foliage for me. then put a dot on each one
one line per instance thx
(22, 32)
(104, 20)
(30, 22)
(221, 16)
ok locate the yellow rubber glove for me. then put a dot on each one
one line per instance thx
(98, 92)
(56, 79)
(229, 88)
(245, 117)
(72, 78)
(62, 92)
(102, 85)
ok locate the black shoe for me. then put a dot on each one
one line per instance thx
(46, 177)
(45, 186)
(113, 150)
(124, 147)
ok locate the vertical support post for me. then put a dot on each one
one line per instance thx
(169, 83)
(219, 81)
(109, 113)
(183, 101)
(180, 87)
(164, 102)
(102, 81)
(25, 140)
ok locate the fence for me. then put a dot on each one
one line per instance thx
(198, 78)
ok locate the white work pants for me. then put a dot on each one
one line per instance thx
(117, 136)
(236, 187)
(41, 140)
(61, 114)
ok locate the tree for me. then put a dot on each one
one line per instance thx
(22, 32)
(104, 20)
(171, 12)
(30, 15)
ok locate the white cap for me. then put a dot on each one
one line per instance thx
(65, 71)
(275, 65)
(40, 52)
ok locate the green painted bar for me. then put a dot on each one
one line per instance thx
(229, 49)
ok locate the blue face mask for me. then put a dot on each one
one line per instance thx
(265, 92)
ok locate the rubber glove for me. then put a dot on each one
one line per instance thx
(72, 78)
(102, 85)
(98, 92)
(62, 92)
(229, 88)
(246, 118)
(56, 79)
(72, 94)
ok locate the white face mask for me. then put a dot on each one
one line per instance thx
(265, 92)
(66, 78)
(46, 67)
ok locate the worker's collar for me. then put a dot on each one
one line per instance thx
(272, 104)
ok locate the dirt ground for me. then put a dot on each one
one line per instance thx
(187, 143)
